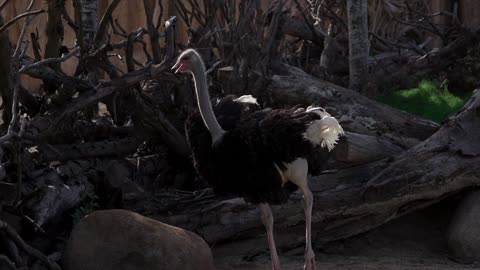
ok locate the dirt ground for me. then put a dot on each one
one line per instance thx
(414, 242)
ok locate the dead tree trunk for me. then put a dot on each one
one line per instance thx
(55, 32)
(6, 85)
(89, 21)
(358, 43)
(356, 199)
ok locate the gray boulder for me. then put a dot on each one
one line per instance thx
(463, 235)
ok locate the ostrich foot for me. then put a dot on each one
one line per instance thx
(231, 203)
(309, 260)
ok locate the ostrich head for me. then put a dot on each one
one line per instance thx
(188, 61)
(191, 62)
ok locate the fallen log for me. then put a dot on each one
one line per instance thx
(357, 199)
(355, 112)
(356, 149)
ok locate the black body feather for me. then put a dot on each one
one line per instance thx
(242, 162)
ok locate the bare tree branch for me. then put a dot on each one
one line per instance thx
(6, 260)
(50, 60)
(149, 6)
(102, 26)
(12, 21)
(3, 4)
(26, 23)
(26, 247)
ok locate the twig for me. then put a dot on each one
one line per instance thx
(149, 7)
(434, 27)
(396, 44)
(160, 15)
(274, 25)
(26, 247)
(50, 60)
(33, 223)
(107, 15)
(26, 23)
(36, 12)
(3, 4)
(213, 67)
(70, 21)
(35, 46)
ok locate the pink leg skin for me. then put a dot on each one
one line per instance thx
(267, 220)
(309, 255)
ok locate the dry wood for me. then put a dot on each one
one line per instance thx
(355, 112)
(357, 199)
(109, 148)
(149, 117)
(358, 43)
(149, 6)
(107, 16)
(6, 261)
(6, 84)
(57, 189)
(47, 73)
(26, 14)
(356, 149)
(407, 76)
(26, 247)
(54, 30)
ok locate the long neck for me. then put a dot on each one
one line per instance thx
(203, 100)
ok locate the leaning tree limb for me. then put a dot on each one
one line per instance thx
(357, 199)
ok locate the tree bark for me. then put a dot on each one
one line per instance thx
(149, 6)
(102, 28)
(89, 13)
(103, 149)
(6, 84)
(54, 32)
(355, 112)
(358, 43)
(151, 120)
(357, 199)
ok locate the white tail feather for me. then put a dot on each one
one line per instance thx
(324, 132)
(246, 99)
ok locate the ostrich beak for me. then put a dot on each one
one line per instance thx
(178, 66)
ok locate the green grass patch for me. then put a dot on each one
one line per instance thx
(427, 100)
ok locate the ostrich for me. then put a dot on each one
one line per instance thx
(258, 154)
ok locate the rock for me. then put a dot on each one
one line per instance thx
(124, 240)
(463, 235)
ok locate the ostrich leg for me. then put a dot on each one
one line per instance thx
(309, 255)
(297, 173)
(267, 219)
